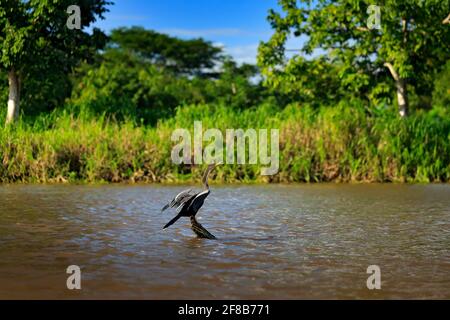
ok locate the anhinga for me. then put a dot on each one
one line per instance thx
(188, 204)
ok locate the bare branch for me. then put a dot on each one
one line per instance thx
(405, 30)
(362, 29)
(392, 70)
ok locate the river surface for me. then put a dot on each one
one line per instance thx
(274, 242)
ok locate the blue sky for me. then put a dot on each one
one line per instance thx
(238, 25)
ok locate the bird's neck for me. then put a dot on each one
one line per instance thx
(205, 180)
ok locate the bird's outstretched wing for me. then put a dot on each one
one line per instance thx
(198, 201)
(171, 222)
(179, 199)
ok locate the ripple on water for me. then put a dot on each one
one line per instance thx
(305, 241)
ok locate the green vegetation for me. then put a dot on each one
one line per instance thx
(341, 143)
(38, 50)
(107, 115)
(399, 56)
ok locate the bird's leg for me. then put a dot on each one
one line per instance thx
(199, 230)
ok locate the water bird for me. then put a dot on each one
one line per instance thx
(188, 204)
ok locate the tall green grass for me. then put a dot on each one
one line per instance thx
(342, 143)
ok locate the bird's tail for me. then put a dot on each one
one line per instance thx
(171, 222)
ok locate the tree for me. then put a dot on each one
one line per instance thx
(144, 75)
(35, 37)
(124, 86)
(237, 86)
(411, 43)
(441, 93)
(194, 57)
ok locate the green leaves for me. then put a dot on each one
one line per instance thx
(186, 57)
(128, 86)
(412, 38)
(35, 41)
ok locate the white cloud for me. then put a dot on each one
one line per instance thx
(219, 45)
(209, 33)
(243, 54)
(203, 32)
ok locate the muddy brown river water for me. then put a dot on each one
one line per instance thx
(274, 242)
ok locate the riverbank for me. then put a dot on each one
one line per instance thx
(345, 143)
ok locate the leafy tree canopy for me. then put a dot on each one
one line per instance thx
(187, 57)
(36, 43)
(35, 32)
(406, 51)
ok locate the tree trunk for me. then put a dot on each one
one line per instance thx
(14, 96)
(402, 93)
(402, 97)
